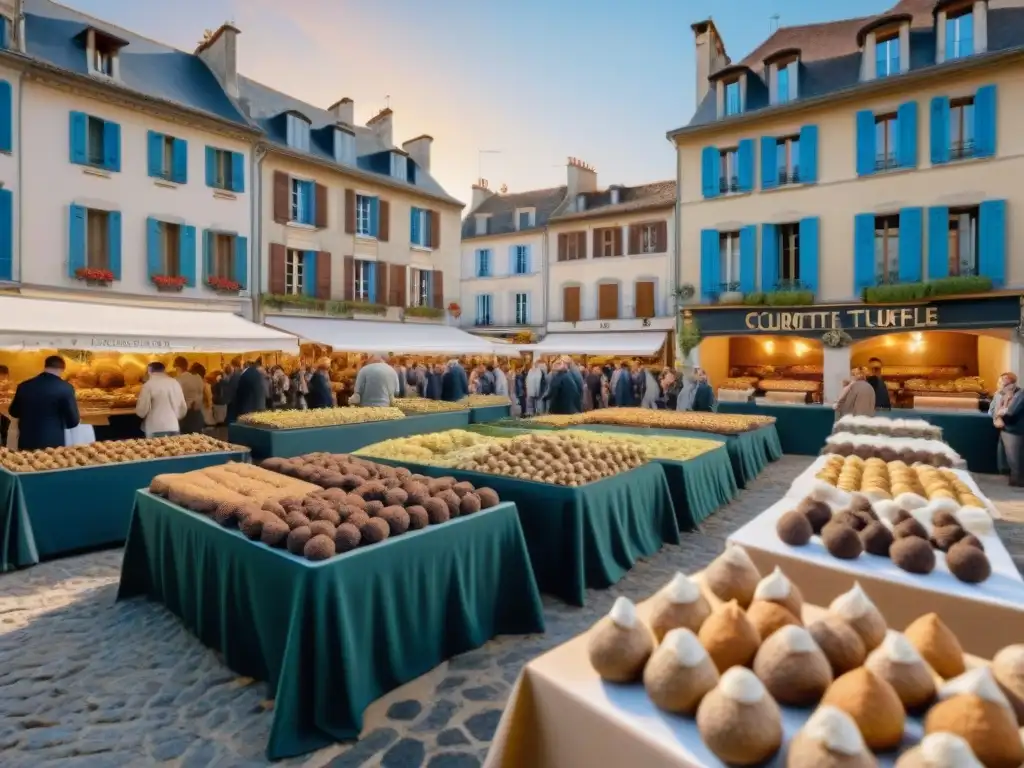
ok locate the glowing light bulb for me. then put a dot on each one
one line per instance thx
(769, 347)
(800, 349)
(917, 336)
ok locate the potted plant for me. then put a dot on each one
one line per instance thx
(223, 285)
(730, 293)
(169, 283)
(454, 309)
(95, 277)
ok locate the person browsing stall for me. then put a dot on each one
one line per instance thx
(376, 383)
(857, 398)
(1009, 418)
(161, 403)
(44, 406)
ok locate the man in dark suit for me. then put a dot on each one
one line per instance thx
(44, 407)
(703, 395)
(454, 382)
(251, 395)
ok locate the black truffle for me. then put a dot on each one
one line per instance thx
(942, 518)
(794, 529)
(322, 528)
(901, 516)
(275, 532)
(397, 519)
(463, 488)
(877, 539)
(945, 537)
(297, 539)
(296, 520)
(849, 519)
(396, 497)
(841, 541)
(913, 554)
(440, 484)
(373, 508)
(818, 513)
(488, 497)
(358, 518)
(418, 517)
(346, 537)
(910, 528)
(374, 530)
(274, 508)
(862, 504)
(437, 511)
(226, 513)
(972, 541)
(451, 498)
(319, 547)
(252, 525)
(967, 563)
(470, 504)
(416, 493)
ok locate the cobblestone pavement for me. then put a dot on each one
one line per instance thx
(89, 682)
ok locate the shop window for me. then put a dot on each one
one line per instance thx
(963, 241)
(961, 128)
(959, 33)
(887, 249)
(223, 256)
(728, 173)
(733, 98)
(97, 253)
(362, 274)
(887, 54)
(886, 138)
(729, 265)
(788, 154)
(170, 242)
(293, 272)
(789, 255)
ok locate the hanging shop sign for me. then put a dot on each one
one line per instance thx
(902, 319)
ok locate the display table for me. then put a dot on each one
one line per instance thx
(562, 715)
(489, 413)
(331, 637)
(583, 537)
(343, 438)
(802, 429)
(972, 435)
(700, 486)
(48, 514)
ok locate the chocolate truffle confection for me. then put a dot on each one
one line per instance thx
(739, 721)
(1008, 669)
(841, 541)
(729, 637)
(839, 642)
(829, 739)
(913, 555)
(873, 705)
(679, 603)
(968, 563)
(776, 588)
(768, 618)
(946, 536)
(620, 644)
(732, 576)
(910, 527)
(940, 750)
(937, 644)
(857, 610)
(793, 667)
(898, 663)
(817, 512)
(346, 537)
(320, 547)
(876, 539)
(794, 529)
(488, 497)
(943, 518)
(680, 673)
(850, 519)
(971, 540)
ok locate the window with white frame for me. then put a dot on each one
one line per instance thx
(522, 309)
(960, 33)
(297, 132)
(483, 262)
(733, 98)
(399, 166)
(421, 287)
(302, 201)
(483, 309)
(525, 219)
(293, 272)
(729, 264)
(887, 54)
(789, 256)
(364, 215)
(887, 249)
(521, 259)
(607, 242)
(419, 233)
(787, 159)
(361, 275)
(783, 74)
(649, 238)
(344, 147)
(963, 241)
(103, 61)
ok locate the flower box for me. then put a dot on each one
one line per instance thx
(169, 283)
(223, 285)
(95, 277)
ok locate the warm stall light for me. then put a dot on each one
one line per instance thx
(889, 342)
(917, 337)
(800, 349)
(769, 347)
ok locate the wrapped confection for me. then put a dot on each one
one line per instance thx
(793, 667)
(733, 576)
(839, 642)
(829, 739)
(776, 588)
(729, 637)
(940, 750)
(937, 644)
(680, 603)
(620, 644)
(739, 721)
(1008, 669)
(898, 663)
(856, 609)
(680, 673)
(873, 705)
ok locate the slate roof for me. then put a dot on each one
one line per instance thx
(644, 197)
(149, 68)
(502, 210)
(830, 57)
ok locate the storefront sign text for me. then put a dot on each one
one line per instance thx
(101, 343)
(907, 318)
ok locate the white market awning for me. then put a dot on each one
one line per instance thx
(383, 337)
(29, 323)
(639, 344)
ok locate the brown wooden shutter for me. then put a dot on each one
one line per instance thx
(282, 198)
(399, 286)
(617, 240)
(634, 239)
(581, 245)
(644, 303)
(350, 278)
(661, 236)
(323, 275)
(571, 304)
(382, 284)
(437, 281)
(350, 211)
(608, 301)
(563, 247)
(435, 229)
(598, 240)
(278, 255)
(320, 206)
(384, 223)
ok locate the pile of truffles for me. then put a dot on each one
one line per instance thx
(731, 654)
(112, 452)
(885, 529)
(910, 486)
(717, 423)
(909, 450)
(319, 417)
(417, 405)
(879, 425)
(556, 459)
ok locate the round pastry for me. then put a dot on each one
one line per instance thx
(937, 644)
(776, 588)
(729, 637)
(876, 539)
(910, 527)
(739, 721)
(817, 512)
(944, 537)
(829, 739)
(968, 563)
(971, 540)
(850, 519)
(1008, 670)
(794, 528)
(839, 642)
(873, 705)
(841, 541)
(679, 673)
(620, 644)
(856, 609)
(939, 750)
(768, 618)
(859, 503)
(913, 555)
(680, 603)
(793, 667)
(898, 663)
(732, 576)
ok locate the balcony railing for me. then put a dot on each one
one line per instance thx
(885, 161)
(960, 150)
(789, 176)
(728, 184)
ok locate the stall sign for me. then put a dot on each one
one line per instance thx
(897, 319)
(113, 342)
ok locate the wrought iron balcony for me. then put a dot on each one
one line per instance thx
(960, 150)
(885, 161)
(728, 184)
(789, 176)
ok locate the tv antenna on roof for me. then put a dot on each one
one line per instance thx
(387, 102)
(773, 24)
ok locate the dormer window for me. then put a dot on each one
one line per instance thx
(5, 32)
(733, 98)
(525, 218)
(344, 147)
(482, 220)
(581, 202)
(399, 166)
(960, 33)
(782, 71)
(613, 193)
(103, 62)
(297, 130)
(885, 46)
(101, 50)
(887, 53)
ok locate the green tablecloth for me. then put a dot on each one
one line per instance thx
(802, 429)
(972, 435)
(47, 514)
(700, 486)
(583, 537)
(340, 439)
(489, 413)
(331, 637)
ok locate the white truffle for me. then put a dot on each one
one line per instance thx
(741, 685)
(623, 613)
(836, 730)
(686, 647)
(681, 590)
(947, 750)
(978, 682)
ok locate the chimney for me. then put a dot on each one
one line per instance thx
(344, 111)
(220, 53)
(14, 10)
(419, 150)
(581, 178)
(711, 55)
(480, 193)
(380, 124)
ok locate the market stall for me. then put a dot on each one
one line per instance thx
(606, 348)
(330, 627)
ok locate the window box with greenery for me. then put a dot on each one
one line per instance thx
(335, 308)
(225, 261)
(787, 293)
(432, 313)
(729, 293)
(893, 292)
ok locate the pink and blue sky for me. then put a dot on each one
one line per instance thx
(537, 80)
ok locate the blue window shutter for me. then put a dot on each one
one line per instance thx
(371, 280)
(6, 117)
(810, 242)
(155, 153)
(709, 263)
(906, 125)
(207, 255)
(414, 225)
(769, 162)
(77, 132)
(709, 160)
(938, 242)
(910, 251)
(179, 161)
(114, 242)
(154, 248)
(187, 255)
(309, 273)
(374, 216)
(863, 252)
(479, 307)
(992, 254)
(111, 146)
(769, 257)
(237, 172)
(477, 258)
(427, 236)
(76, 239)
(865, 142)
(211, 167)
(242, 261)
(939, 130)
(529, 259)
(748, 259)
(6, 234)
(809, 154)
(745, 159)
(985, 121)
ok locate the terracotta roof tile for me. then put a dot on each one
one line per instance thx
(659, 194)
(502, 210)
